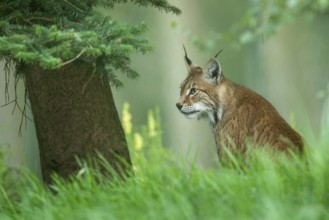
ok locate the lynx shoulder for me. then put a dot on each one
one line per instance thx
(237, 114)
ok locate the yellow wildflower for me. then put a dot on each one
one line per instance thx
(126, 119)
(138, 141)
(151, 124)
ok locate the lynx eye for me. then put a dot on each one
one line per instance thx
(192, 91)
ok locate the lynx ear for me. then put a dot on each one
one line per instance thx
(213, 70)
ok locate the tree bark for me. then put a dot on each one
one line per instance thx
(75, 116)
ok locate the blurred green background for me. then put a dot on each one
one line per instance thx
(289, 68)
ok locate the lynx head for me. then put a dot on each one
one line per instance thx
(198, 95)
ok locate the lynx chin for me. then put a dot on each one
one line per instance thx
(238, 116)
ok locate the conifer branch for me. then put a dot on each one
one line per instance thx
(50, 33)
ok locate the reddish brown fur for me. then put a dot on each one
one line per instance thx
(248, 116)
(238, 115)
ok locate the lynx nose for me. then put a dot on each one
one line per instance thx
(179, 106)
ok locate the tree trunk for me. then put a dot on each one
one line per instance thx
(75, 116)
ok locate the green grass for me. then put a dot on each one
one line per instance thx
(166, 187)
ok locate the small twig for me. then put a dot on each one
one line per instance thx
(7, 77)
(8, 103)
(29, 20)
(16, 104)
(15, 99)
(72, 5)
(27, 103)
(7, 69)
(38, 18)
(24, 116)
(15, 88)
(75, 58)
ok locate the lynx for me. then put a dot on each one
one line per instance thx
(238, 116)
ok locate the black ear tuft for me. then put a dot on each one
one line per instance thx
(188, 61)
(218, 53)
